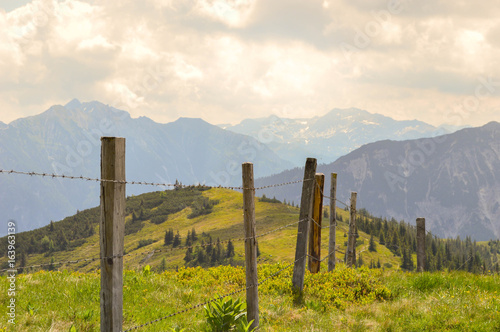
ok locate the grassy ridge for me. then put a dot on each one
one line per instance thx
(345, 300)
(224, 222)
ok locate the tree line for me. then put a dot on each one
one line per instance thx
(440, 254)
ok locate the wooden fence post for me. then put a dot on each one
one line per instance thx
(315, 225)
(420, 244)
(333, 222)
(303, 228)
(250, 244)
(351, 239)
(111, 232)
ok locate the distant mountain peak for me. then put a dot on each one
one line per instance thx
(492, 125)
(190, 121)
(73, 104)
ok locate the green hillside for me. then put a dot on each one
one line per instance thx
(216, 215)
(76, 238)
(157, 284)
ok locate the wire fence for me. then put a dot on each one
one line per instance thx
(144, 183)
(187, 247)
(155, 251)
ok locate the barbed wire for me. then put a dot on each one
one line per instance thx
(327, 256)
(470, 257)
(175, 185)
(188, 309)
(281, 184)
(326, 196)
(202, 245)
(280, 228)
(52, 264)
(153, 251)
(215, 299)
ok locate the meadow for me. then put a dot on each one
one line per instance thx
(345, 300)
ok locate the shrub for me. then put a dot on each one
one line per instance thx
(159, 219)
(225, 315)
(143, 243)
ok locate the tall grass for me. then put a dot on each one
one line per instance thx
(345, 300)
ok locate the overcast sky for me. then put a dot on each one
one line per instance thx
(226, 60)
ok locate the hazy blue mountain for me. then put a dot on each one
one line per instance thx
(2, 125)
(332, 135)
(452, 180)
(66, 140)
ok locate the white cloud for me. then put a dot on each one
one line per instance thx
(225, 60)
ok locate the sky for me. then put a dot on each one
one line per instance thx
(226, 60)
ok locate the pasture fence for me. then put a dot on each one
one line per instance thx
(308, 244)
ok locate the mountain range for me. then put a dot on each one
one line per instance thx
(332, 135)
(452, 180)
(66, 140)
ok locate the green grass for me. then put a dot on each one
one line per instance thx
(345, 300)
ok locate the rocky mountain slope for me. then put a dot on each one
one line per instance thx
(332, 135)
(66, 140)
(452, 180)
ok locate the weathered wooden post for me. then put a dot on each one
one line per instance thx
(351, 239)
(315, 225)
(250, 244)
(420, 244)
(306, 204)
(333, 222)
(111, 232)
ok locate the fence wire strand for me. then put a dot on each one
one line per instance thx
(152, 252)
(174, 185)
(215, 299)
(325, 196)
(187, 309)
(52, 264)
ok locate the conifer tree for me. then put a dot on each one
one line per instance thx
(230, 249)
(372, 246)
(177, 240)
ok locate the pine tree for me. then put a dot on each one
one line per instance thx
(360, 261)
(188, 257)
(163, 265)
(406, 260)
(381, 239)
(177, 240)
(378, 264)
(194, 236)
(169, 237)
(230, 249)
(218, 252)
(63, 240)
(201, 256)
(51, 247)
(372, 246)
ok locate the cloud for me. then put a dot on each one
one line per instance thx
(225, 60)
